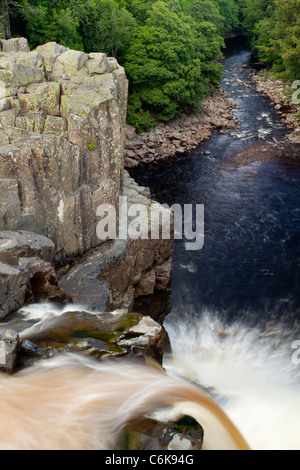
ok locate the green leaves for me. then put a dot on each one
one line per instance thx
(169, 48)
(168, 61)
(274, 26)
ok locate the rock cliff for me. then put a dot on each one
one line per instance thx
(62, 118)
(62, 129)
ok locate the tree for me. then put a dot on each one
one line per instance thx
(287, 35)
(5, 30)
(274, 29)
(167, 62)
(105, 26)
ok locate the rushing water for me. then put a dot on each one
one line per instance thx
(236, 303)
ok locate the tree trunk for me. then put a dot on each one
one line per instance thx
(5, 30)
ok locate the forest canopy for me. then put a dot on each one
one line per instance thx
(170, 48)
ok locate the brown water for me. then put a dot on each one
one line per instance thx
(73, 403)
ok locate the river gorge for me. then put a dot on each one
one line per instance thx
(235, 303)
(232, 317)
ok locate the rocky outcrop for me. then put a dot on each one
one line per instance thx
(62, 117)
(62, 124)
(118, 273)
(180, 135)
(280, 96)
(103, 336)
(26, 270)
(184, 434)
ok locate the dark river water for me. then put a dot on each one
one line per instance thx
(250, 187)
(234, 325)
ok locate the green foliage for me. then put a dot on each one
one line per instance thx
(274, 28)
(91, 146)
(137, 117)
(169, 48)
(170, 61)
(105, 26)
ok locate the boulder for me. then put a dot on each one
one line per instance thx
(13, 287)
(69, 63)
(26, 269)
(149, 338)
(9, 351)
(30, 349)
(22, 244)
(148, 434)
(15, 45)
(98, 64)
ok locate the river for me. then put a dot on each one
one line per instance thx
(236, 303)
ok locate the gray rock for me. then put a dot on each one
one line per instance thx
(22, 244)
(8, 355)
(15, 45)
(61, 142)
(30, 349)
(13, 286)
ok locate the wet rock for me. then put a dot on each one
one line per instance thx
(9, 354)
(13, 288)
(112, 334)
(69, 327)
(149, 338)
(98, 348)
(32, 350)
(147, 434)
(82, 285)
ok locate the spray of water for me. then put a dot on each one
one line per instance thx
(248, 371)
(72, 402)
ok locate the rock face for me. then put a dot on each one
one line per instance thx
(26, 269)
(62, 118)
(121, 271)
(62, 123)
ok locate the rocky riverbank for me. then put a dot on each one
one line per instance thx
(280, 95)
(173, 139)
